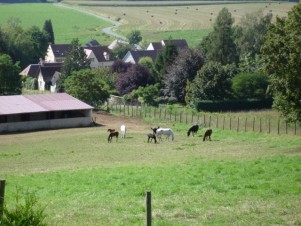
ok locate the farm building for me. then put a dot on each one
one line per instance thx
(42, 111)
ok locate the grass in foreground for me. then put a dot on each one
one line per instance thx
(237, 179)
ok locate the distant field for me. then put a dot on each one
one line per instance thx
(183, 21)
(191, 20)
(67, 24)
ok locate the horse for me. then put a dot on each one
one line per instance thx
(111, 130)
(113, 134)
(166, 131)
(123, 131)
(194, 129)
(207, 134)
(155, 130)
(150, 138)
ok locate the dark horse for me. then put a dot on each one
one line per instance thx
(150, 138)
(111, 130)
(113, 134)
(207, 134)
(194, 129)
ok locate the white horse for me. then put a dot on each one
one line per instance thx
(123, 131)
(165, 131)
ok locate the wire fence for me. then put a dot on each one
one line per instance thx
(234, 122)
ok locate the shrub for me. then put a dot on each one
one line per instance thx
(27, 211)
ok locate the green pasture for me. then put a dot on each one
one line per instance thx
(236, 179)
(67, 23)
(187, 19)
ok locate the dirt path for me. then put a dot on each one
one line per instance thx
(114, 122)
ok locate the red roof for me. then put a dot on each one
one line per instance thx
(19, 104)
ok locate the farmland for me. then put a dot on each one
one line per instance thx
(237, 178)
(156, 22)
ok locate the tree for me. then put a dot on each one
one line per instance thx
(76, 59)
(213, 82)
(88, 87)
(135, 76)
(134, 37)
(10, 80)
(219, 45)
(165, 58)
(250, 32)
(107, 75)
(183, 69)
(148, 94)
(249, 85)
(148, 62)
(49, 30)
(281, 56)
(120, 51)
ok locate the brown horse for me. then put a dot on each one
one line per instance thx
(207, 134)
(150, 138)
(113, 134)
(111, 130)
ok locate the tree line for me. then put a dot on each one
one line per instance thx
(253, 59)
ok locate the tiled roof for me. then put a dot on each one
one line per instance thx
(19, 104)
(144, 53)
(92, 43)
(60, 50)
(180, 43)
(99, 52)
(48, 72)
(31, 70)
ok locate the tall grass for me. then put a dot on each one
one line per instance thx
(237, 179)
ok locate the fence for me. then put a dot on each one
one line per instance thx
(264, 124)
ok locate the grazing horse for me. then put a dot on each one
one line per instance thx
(113, 134)
(150, 138)
(194, 129)
(111, 130)
(167, 132)
(123, 131)
(207, 134)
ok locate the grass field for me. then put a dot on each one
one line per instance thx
(179, 20)
(236, 179)
(67, 24)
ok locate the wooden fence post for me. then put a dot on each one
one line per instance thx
(217, 121)
(237, 125)
(165, 114)
(295, 128)
(269, 125)
(175, 115)
(180, 116)
(148, 208)
(160, 113)
(224, 122)
(230, 123)
(260, 126)
(209, 121)
(192, 118)
(246, 124)
(253, 124)
(278, 126)
(2, 192)
(186, 118)
(285, 127)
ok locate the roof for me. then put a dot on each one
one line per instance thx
(99, 52)
(143, 53)
(48, 71)
(60, 50)
(180, 43)
(19, 104)
(31, 70)
(92, 43)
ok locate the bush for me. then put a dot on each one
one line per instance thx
(233, 105)
(26, 212)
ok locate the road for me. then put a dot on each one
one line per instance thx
(107, 30)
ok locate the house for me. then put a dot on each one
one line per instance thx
(57, 52)
(180, 43)
(42, 111)
(92, 43)
(134, 56)
(46, 74)
(117, 43)
(99, 56)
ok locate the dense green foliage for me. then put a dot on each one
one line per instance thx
(281, 55)
(213, 82)
(49, 30)
(87, 86)
(219, 45)
(75, 60)
(26, 211)
(249, 85)
(10, 80)
(134, 37)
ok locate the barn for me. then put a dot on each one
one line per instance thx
(43, 111)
